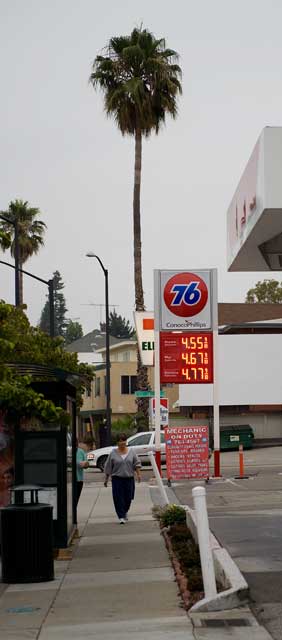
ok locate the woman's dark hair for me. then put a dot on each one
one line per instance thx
(121, 436)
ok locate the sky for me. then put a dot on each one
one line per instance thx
(61, 154)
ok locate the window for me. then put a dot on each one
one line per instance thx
(97, 387)
(142, 439)
(162, 437)
(105, 385)
(126, 356)
(128, 384)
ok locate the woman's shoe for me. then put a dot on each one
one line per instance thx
(122, 521)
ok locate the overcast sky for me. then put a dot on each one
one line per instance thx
(60, 152)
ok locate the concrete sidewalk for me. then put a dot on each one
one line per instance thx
(118, 585)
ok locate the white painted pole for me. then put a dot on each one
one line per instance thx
(157, 396)
(203, 530)
(216, 427)
(158, 478)
(157, 383)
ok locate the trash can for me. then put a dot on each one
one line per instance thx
(27, 537)
(233, 435)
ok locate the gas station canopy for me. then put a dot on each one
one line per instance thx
(254, 218)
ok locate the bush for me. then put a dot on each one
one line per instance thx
(173, 514)
(123, 425)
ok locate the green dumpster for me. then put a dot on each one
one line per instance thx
(233, 435)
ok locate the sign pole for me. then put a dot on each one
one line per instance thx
(216, 427)
(157, 383)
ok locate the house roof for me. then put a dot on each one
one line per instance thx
(240, 312)
(91, 342)
(120, 343)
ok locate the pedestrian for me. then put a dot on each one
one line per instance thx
(121, 465)
(81, 464)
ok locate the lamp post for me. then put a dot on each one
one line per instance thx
(14, 222)
(108, 363)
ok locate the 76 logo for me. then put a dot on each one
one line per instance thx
(185, 294)
(189, 294)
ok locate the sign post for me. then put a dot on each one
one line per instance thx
(157, 372)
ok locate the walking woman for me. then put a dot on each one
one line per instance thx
(121, 465)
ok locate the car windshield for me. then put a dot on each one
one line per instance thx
(143, 438)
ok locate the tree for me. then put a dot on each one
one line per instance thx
(73, 331)
(21, 343)
(140, 80)
(30, 231)
(265, 291)
(119, 326)
(60, 309)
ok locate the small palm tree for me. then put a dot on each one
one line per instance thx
(30, 231)
(140, 80)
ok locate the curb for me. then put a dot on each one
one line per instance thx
(236, 590)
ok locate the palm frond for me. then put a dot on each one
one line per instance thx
(140, 80)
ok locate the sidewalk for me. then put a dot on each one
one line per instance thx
(118, 585)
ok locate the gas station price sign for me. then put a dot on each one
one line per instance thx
(186, 358)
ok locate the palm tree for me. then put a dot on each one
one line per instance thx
(30, 233)
(140, 80)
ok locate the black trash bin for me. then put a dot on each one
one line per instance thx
(27, 538)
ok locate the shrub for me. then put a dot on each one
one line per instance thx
(173, 514)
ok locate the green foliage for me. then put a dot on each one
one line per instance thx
(265, 291)
(22, 343)
(119, 326)
(123, 425)
(140, 79)
(172, 514)
(18, 399)
(31, 231)
(73, 332)
(60, 309)
(141, 421)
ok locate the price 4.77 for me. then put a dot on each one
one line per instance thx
(196, 373)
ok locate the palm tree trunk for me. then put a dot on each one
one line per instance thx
(139, 295)
(20, 283)
(142, 373)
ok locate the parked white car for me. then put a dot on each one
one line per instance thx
(142, 443)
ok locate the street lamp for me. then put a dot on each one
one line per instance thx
(108, 363)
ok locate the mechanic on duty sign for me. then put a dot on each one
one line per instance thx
(187, 452)
(185, 301)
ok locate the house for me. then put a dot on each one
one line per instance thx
(123, 358)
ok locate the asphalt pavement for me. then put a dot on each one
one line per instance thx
(246, 517)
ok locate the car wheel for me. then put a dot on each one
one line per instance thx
(101, 463)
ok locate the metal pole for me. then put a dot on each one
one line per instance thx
(108, 363)
(157, 384)
(17, 263)
(51, 308)
(216, 426)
